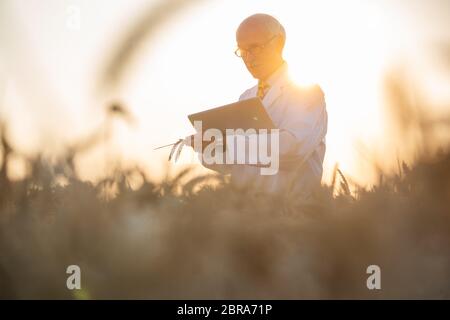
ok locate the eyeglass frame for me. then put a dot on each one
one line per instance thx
(260, 46)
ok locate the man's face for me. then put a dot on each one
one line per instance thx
(263, 63)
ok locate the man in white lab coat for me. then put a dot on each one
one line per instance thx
(299, 112)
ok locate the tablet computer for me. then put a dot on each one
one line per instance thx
(245, 114)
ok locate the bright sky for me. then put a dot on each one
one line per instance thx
(49, 85)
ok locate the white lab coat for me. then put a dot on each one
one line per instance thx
(300, 114)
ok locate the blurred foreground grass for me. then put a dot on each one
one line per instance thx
(190, 240)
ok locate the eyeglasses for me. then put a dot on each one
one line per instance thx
(254, 50)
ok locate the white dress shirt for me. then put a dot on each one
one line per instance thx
(300, 114)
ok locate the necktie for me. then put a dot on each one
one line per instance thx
(262, 89)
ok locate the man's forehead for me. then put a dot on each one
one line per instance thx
(252, 34)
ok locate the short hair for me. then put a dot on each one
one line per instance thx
(272, 25)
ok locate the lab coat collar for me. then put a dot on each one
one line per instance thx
(277, 82)
(275, 76)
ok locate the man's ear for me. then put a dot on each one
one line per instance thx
(280, 43)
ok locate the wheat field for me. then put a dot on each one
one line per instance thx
(190, 239)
